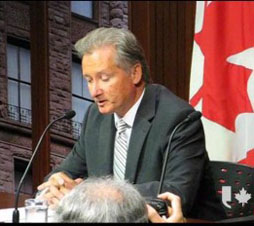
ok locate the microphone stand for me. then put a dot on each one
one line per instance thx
(161, 206)
(191, 117)
(15, 215)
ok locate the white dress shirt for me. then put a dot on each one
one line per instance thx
(129, 117)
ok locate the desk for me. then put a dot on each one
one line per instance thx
(247, 219)
(7, 206)
(6, 215)
(7, 199)
(191, 220)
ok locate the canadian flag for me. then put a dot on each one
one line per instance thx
(222, 78)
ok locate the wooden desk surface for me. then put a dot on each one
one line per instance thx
(7, 199)
(191, 220)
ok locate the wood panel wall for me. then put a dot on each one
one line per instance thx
(166, 30)
(40, 89)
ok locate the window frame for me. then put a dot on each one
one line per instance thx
(76, 125)
(19, 165)
(19, 43)
(75, 59)
(95, 13)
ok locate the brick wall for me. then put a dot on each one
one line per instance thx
(18, 19)
(64, 31)
(59, 56)
(14, 21)
(12, 146)
(118, 14)
(6, 168)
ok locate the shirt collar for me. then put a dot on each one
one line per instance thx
(129, 117)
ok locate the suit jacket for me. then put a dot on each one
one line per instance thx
(158, 114)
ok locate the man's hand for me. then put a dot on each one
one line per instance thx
(175, 211)
(57, 186)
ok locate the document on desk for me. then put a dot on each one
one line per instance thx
(6, 215)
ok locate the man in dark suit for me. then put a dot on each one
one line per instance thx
(115, 68)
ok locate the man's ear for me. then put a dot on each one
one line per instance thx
(136, 73)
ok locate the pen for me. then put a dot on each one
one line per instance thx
(41, 193)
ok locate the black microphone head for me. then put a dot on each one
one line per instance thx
(69, 114)
(193, 116)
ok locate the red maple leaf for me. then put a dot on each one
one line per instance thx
(227, 30)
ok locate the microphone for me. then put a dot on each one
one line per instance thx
(67, 115)
(193, 116)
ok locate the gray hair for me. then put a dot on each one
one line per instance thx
(128, 49)
(102, 200)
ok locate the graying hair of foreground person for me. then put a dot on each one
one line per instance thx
(129, 51)
(102, 200)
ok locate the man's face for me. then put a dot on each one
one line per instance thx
(112, 88)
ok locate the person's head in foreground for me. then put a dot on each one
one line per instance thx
(102, 200)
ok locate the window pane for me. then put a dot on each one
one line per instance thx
(13, 111)
(19, 168)
(25, 65)
(84, 8)
(86, 92)
(12, 92)
(25, 103)
(76, 79)
(80, 106)
(12, 61)
(25, 96)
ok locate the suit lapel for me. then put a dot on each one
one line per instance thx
(106, 145)
(141, 127)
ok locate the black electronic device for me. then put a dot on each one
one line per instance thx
(160, 205)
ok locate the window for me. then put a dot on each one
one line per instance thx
(19, 169)
(82, 8)
(19, 83)
(81, 98)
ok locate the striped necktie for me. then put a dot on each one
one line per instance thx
(120, 154)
